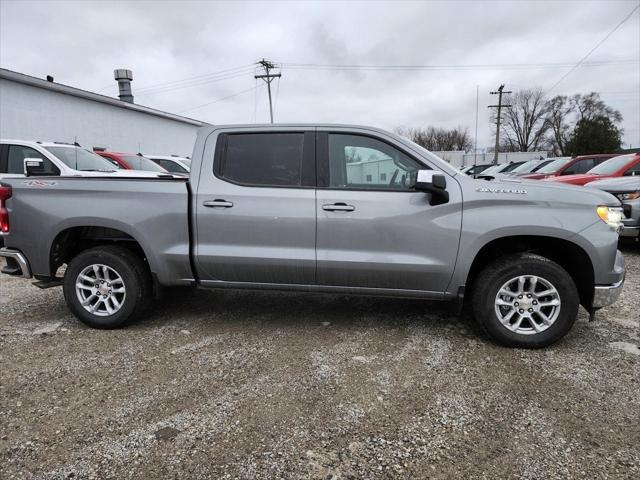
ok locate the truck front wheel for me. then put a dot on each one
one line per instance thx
(525, 300)
(106, 286)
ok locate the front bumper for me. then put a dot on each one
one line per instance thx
(605, 295)
(630, 232)
(17, 264)
(631, 220)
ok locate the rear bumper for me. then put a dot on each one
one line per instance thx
(605, 295)
(17, 263)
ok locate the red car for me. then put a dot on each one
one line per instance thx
(569, 166)
(130, 161)
(620, 166)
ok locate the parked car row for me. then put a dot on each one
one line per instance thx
(65, 159)
(613, 173)
(173, 163)
(152, 163)
(627, 190)
(618, 175)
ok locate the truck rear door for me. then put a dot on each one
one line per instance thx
(256, 208)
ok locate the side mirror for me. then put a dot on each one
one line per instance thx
(433, 182)
(34, 167)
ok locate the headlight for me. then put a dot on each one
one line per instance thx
(628, 196)
(612, 216)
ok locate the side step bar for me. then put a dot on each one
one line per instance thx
(17, 264)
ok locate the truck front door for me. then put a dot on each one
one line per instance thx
(374, 230)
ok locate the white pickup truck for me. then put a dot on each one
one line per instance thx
(57, 159)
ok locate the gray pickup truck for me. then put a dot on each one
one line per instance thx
(341, 209)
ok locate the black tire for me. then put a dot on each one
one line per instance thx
(496, 274)
(135, 277)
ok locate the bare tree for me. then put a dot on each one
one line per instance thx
(438, 139)
(524, 122)
(560, 109)
(589, 106)
(566, 113)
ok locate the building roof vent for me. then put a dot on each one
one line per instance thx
(124, 78)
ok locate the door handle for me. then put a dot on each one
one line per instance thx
(338, 207)
(217, 203)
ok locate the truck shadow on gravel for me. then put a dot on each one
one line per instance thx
(278, 310)
(237, 309)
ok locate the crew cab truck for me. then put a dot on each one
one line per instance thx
(343, 209)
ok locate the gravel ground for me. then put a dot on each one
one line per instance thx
(268, 385)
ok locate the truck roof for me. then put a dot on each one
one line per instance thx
(208, 129)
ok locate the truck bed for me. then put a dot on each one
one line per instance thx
(152, 212)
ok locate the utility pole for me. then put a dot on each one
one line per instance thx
(268, 78)
(475, 139)
(500, 92)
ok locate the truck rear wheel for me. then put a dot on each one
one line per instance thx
(525, 300)
(106, 286)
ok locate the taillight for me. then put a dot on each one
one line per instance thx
(5, 193)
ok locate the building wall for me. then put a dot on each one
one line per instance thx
(504, 157)
(32, 113)
(453, 157)
(371, 171)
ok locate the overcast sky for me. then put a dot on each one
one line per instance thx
(80, 43)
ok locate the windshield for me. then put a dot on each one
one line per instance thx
(474, 170)
(80, 159)
(555, 165)
(492, 169)
(138, 162)
(540, 165)
(510, 167)
(526, 167)
(612, 165)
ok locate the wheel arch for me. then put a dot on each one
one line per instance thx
(570, 256)
(71, 240)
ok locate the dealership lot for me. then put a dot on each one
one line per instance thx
(267, 385)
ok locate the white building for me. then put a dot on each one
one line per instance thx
(35, 109)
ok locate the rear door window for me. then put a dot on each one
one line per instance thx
(262, 159)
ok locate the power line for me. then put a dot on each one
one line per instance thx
(197, 77)
(187, 79)
(195, 83)
(221, 99)
(581, 61)
(495, 66)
